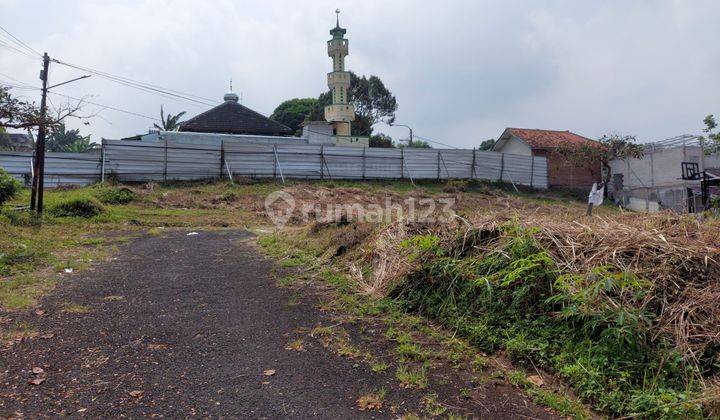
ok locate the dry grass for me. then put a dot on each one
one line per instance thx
(679, 255)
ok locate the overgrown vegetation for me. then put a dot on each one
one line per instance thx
(515, 297)
(76, 207)
(115, 195)
(621, 307)
(9, 186)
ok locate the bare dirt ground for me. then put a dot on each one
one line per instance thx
(181, 326)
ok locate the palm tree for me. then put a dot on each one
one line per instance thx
(60, 139)
(171, 123)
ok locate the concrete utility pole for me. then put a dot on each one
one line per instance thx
(36, 196)
(38, 181)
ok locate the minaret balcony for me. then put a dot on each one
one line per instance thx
(340, 112)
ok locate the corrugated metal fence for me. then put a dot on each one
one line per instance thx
(163, 160)
(60, 168)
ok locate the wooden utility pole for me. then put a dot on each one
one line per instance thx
(36, 197)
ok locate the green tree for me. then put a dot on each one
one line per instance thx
(416, 144)
(381, 140)
(372, 100)
(293, 112)
(169, 123)
(9, 186)
(609, 147)
(4, 140)
(487, 144)
(714, 136)
(62, 140)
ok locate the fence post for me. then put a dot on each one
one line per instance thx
(438, 165)
(165, 168)
(532, 170)
(402, 163)
(363, 164)
(322, 162)
(502, 165)
(472, 166)
(222, 158)
(274, 161)
(102, 163)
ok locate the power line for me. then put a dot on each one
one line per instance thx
(143, 86)
(436, 142)
(29, 87)
(17, 81)
(8, 84)
(105, 106)
(21, 43)
(4, 44)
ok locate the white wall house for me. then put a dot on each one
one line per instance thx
(655, 182)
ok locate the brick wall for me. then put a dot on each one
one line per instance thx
(569, 175)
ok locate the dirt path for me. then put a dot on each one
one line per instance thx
(185, 326)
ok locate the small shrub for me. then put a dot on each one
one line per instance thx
(77, 207)
(9, 186)
(120, 195)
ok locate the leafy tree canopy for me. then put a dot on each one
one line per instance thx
(381, 140)
(62, 140)
(712, 134)
(416, 144)
(16, 113)
(606, 149)
(169, 123)
(293, 112)
(4, 140)
(487, 144)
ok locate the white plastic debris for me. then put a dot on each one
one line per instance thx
(68, 270)
(596, 195)
(192, 233)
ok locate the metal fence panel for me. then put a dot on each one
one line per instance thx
(60, 168)
(344, 162)
(181, 160)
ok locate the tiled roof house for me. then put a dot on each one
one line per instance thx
(562, 173)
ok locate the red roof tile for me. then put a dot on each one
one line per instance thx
(549, 139)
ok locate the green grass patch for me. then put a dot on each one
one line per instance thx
(115, 195)
(75, 308)
(412, 377)
(379, 366)
(76, 207)
(22, 290)
(408, 351)
(562, 404)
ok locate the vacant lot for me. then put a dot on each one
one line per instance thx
(500, 306)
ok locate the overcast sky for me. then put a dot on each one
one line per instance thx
(462, 71)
